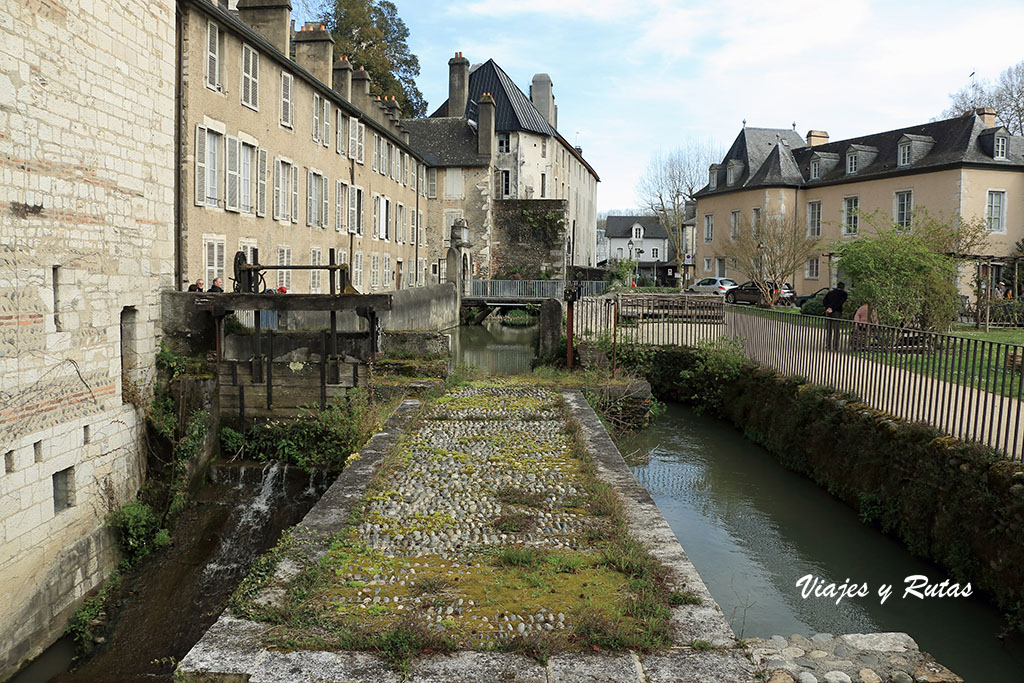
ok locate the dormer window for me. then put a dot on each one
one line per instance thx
(999, 149)
(815, 169)
(712, 178)
(903, 154)
(729, 176)
(638, 232)
(851, 163)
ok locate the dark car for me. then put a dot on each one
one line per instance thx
(801, 300)
(750, 293)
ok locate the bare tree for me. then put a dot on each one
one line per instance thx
(1005, 95)
(771, 252)
(672, 177)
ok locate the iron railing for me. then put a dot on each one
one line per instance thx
(531, 289)
(965, 387)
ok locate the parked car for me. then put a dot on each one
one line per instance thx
(750, 293)
(712, 285)
(801, 300)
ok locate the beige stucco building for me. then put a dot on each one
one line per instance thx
(292, 158)
(966, 166)
(86, 226)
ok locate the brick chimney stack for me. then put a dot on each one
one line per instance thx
(458, 85)
(816, 137)
(485, 126)
(342, 81)
(314, 49)
(361, 90)
(270, 18)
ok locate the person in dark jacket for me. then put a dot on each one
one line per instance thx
(833, 302)
(218, 285)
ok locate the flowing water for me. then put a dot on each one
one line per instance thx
(177, 594)
(753, 528)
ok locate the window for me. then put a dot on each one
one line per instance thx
(851, 163)
(316, 199)
(374, 271)
(249, 159)
(638, 232)
(654, 253)
(1000, 147)
(815, 169)
(995, 211)
(903, 208)
(353, 137)
(339, 144)
(355, 210)
(505, 183)
(316, 117)
(851, 205)
(63, 490)
(340, 205)
(386, 275)
(618, 252)
(314, 275)
(213, 46)
(250, 77)
(422, 179)
(504, 145)
(284, 276)
(450, 216)
(712, 181)
(248, 247)
(386, 218)
(37, 451)
(357, 269)
(543, 148)
(734, 225)
(813, 267)
(208, 164)
(376, 152)
(213, 258)
(707, 265)
(543, 185)
(232, 172)
(814, 219)
(729, 175)
(453, 183)
(55, 283)
(399, 222)
(261, 182)
(405, 168)
(903, 154)
(286, 191)
(325, 121)
(709, 228)
(432, 183)
(287, 92)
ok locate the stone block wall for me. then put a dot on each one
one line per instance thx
(528, 239)
(86, 226)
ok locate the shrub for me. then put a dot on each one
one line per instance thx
(138, 528)
(716, 365)
(815, 306)
(231, 441)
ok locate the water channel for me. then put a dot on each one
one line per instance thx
(752, 528)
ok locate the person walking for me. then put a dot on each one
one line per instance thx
(833, 302)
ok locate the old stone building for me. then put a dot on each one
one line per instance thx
(491, 149)
(836, 191)
(291, 157)
(86, 226)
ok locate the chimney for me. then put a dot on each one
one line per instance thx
(314, 49)
(361, 90)
(987, 116)
(579, 150)
(543, 98)
(269, 18)
(816, 137)
(458, 85)
(342, 82)
(394, 112)
(485, 126)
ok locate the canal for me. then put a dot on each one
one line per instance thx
(752, 528)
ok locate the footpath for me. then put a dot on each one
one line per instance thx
(494, 534)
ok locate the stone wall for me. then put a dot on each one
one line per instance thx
(86, 212)
(529, 239)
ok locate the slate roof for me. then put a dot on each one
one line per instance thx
(445, 141)
(770, 162)
(622, 226)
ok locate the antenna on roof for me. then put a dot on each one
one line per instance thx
(794, 126)
(744, 123)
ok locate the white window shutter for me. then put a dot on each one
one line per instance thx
(286, 98)
(353, 136)
(340, 133)
(324, 201)
(277, 190)
(254, 86)
(338, 205)
(362, 142)
(232, 173)
(212, 55)
(352, 209)
(246, 90)
(295, 194)
(219, 264)
(309, 198)
(376, 151)
(200, 165)
(326, 119)
(316, 117)
(211, 261)
(261, 182)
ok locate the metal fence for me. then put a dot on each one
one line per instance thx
(532, 289)
(268, 319)
(965, 387)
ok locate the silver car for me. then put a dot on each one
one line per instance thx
(712, 285)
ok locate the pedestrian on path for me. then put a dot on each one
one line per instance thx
(834, 301)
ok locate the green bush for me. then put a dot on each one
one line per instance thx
(138, 528)
(815, 306)
(231, 441)
(716, 365)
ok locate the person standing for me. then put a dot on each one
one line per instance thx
(217, 285)
(833, 302)
(197, 286)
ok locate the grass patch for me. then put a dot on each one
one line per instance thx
(517, 496)
(513, 522)
(520, 557)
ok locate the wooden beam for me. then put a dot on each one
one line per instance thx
(292, 302)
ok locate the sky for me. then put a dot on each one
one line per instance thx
(632, 79)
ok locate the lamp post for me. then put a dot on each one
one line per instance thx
(630, 245)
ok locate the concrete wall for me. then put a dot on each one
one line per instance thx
(428, 308)
(86, 188)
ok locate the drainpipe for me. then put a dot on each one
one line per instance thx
(178, 182)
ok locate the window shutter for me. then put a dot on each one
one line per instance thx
(375, 228)
(200, 179)
(246, 90)
(295, 194)
(309, 198)
(286, 99)
(277, 190)
(376, 151)
(352, 209)
(325, 206)
(261, 182)
(212, 55)
(353, 135)
(254, 69)
(232, 173)
(219, 263)
(316, 117)
(432, 183)
(211, 261)
(326, 118)
(338, 205)
(362, 142)
(340, 133)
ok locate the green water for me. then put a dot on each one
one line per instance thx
(753, 528)
(495, 348)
